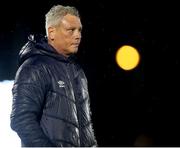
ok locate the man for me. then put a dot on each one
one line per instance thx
(50, 94)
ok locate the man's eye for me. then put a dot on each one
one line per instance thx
(70, 30)
(80, 30)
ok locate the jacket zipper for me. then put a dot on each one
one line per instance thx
(72, 92)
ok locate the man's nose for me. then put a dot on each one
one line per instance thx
(77, 34)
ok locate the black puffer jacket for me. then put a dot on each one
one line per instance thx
(50, 99)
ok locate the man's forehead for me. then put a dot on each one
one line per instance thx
(71, 20)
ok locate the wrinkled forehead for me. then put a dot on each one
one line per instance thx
(71, 21)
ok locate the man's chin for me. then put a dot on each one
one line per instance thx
(72, 52)
(75, 50)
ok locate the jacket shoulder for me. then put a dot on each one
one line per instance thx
(37, 60)
(33, 68)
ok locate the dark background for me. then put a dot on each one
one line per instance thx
(123, 104)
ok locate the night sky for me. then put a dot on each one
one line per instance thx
(125, 104)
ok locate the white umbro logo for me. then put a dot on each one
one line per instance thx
(61, 83)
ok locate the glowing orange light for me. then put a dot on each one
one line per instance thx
(127, 57)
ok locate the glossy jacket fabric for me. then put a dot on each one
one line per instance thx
(50, 99)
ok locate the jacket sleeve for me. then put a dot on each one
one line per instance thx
(28, 96)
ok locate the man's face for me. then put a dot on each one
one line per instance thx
(66, 37)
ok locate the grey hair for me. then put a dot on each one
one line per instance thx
(56, 13)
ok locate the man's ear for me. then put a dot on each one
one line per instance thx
(51, 32)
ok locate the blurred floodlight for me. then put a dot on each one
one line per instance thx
(127, 57)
